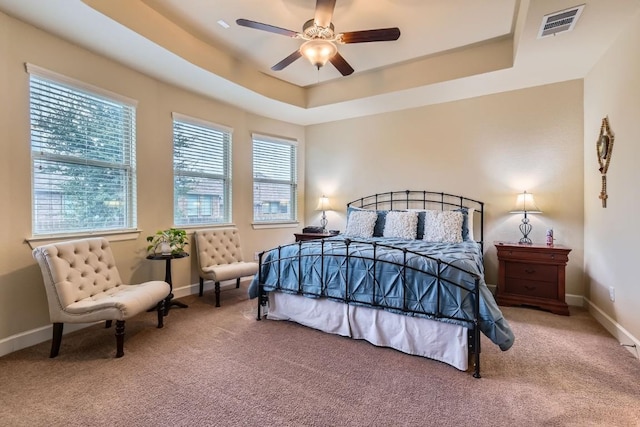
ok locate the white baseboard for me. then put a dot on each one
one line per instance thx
(35, 336)
(574, 300)
(209, 285)
(38, 335)
(623, 336)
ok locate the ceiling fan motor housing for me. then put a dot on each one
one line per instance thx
(311, 31)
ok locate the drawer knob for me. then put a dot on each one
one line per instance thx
(553, 256)
(529, 271)
(530, 288)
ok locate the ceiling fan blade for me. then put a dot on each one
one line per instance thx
(324, 12)
(287, 61)
(341, 65)
(379, 35)
(265, 27)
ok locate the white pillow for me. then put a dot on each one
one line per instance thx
(467, 222)
(403, 225)
(443, 226)
(361, 223)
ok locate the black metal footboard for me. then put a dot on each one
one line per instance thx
(368, 251)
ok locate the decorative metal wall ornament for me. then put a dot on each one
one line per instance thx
(604, 148)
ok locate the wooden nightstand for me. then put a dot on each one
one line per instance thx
(532, 275)
(313, 236)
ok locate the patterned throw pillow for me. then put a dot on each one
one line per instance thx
(443, 226)
(403, 225)
(361, 223)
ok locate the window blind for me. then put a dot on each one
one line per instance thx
(202, 172)
(275, 183)
(83, 158)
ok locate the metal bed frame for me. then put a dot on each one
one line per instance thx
(407, 199)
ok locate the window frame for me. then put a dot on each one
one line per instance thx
(292, 221)
(226, 176)
(127, 165)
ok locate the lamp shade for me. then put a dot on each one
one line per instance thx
(323, 204)
(525, 204)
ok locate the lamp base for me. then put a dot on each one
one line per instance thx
(525, 229)
(323, 223)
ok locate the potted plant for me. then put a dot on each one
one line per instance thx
(168, 242)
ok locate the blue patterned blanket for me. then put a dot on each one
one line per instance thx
(412, 277)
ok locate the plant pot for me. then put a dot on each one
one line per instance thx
(163, 248)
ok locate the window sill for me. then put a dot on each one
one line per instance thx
(111, 236)
(266, 225)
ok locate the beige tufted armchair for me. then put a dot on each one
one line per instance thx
(83, 285)
(220, 257)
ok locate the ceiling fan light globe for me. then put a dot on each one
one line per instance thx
(318, 51)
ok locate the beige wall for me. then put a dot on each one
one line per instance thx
(22, 298)
(488, 148)
(612, 234)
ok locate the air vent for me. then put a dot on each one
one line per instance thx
(560, 22)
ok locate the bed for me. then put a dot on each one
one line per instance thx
(407, 273)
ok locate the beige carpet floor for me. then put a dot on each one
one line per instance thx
(220, 367)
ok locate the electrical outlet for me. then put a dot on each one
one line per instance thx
(612, 293)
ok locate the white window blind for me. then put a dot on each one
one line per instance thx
(83, 154)
(275, 180)
(202, 172)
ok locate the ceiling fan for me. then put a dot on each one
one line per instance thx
(321, 38)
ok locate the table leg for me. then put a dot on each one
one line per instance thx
(168, 302)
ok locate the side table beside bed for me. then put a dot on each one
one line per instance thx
(532, 274)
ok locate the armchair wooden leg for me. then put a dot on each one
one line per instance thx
(237, 283)
(119, 338)
(217, 294)
(56, 340)
(108, 324)
(160, 309)
(201, 286)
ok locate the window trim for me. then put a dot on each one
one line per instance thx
(287, 223)
(175, 116)
(125, 233)
(80, 85)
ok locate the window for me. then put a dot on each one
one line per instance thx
(83, 156)
(201, 172)
(275, 182)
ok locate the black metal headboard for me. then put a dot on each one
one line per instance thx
(420, 199)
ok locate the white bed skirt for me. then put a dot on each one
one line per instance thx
(412, 335)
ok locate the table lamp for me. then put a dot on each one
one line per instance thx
(324, 205)
(524, 205)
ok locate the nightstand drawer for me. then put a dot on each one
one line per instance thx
(538, 272)
(531, 288)
(533, 256)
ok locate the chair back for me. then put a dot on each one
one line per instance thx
(216, 246)
(75, 270)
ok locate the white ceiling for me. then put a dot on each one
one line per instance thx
(448, 49)
(427, 27)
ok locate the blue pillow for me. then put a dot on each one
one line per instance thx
(465, 224)
(420, 234)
